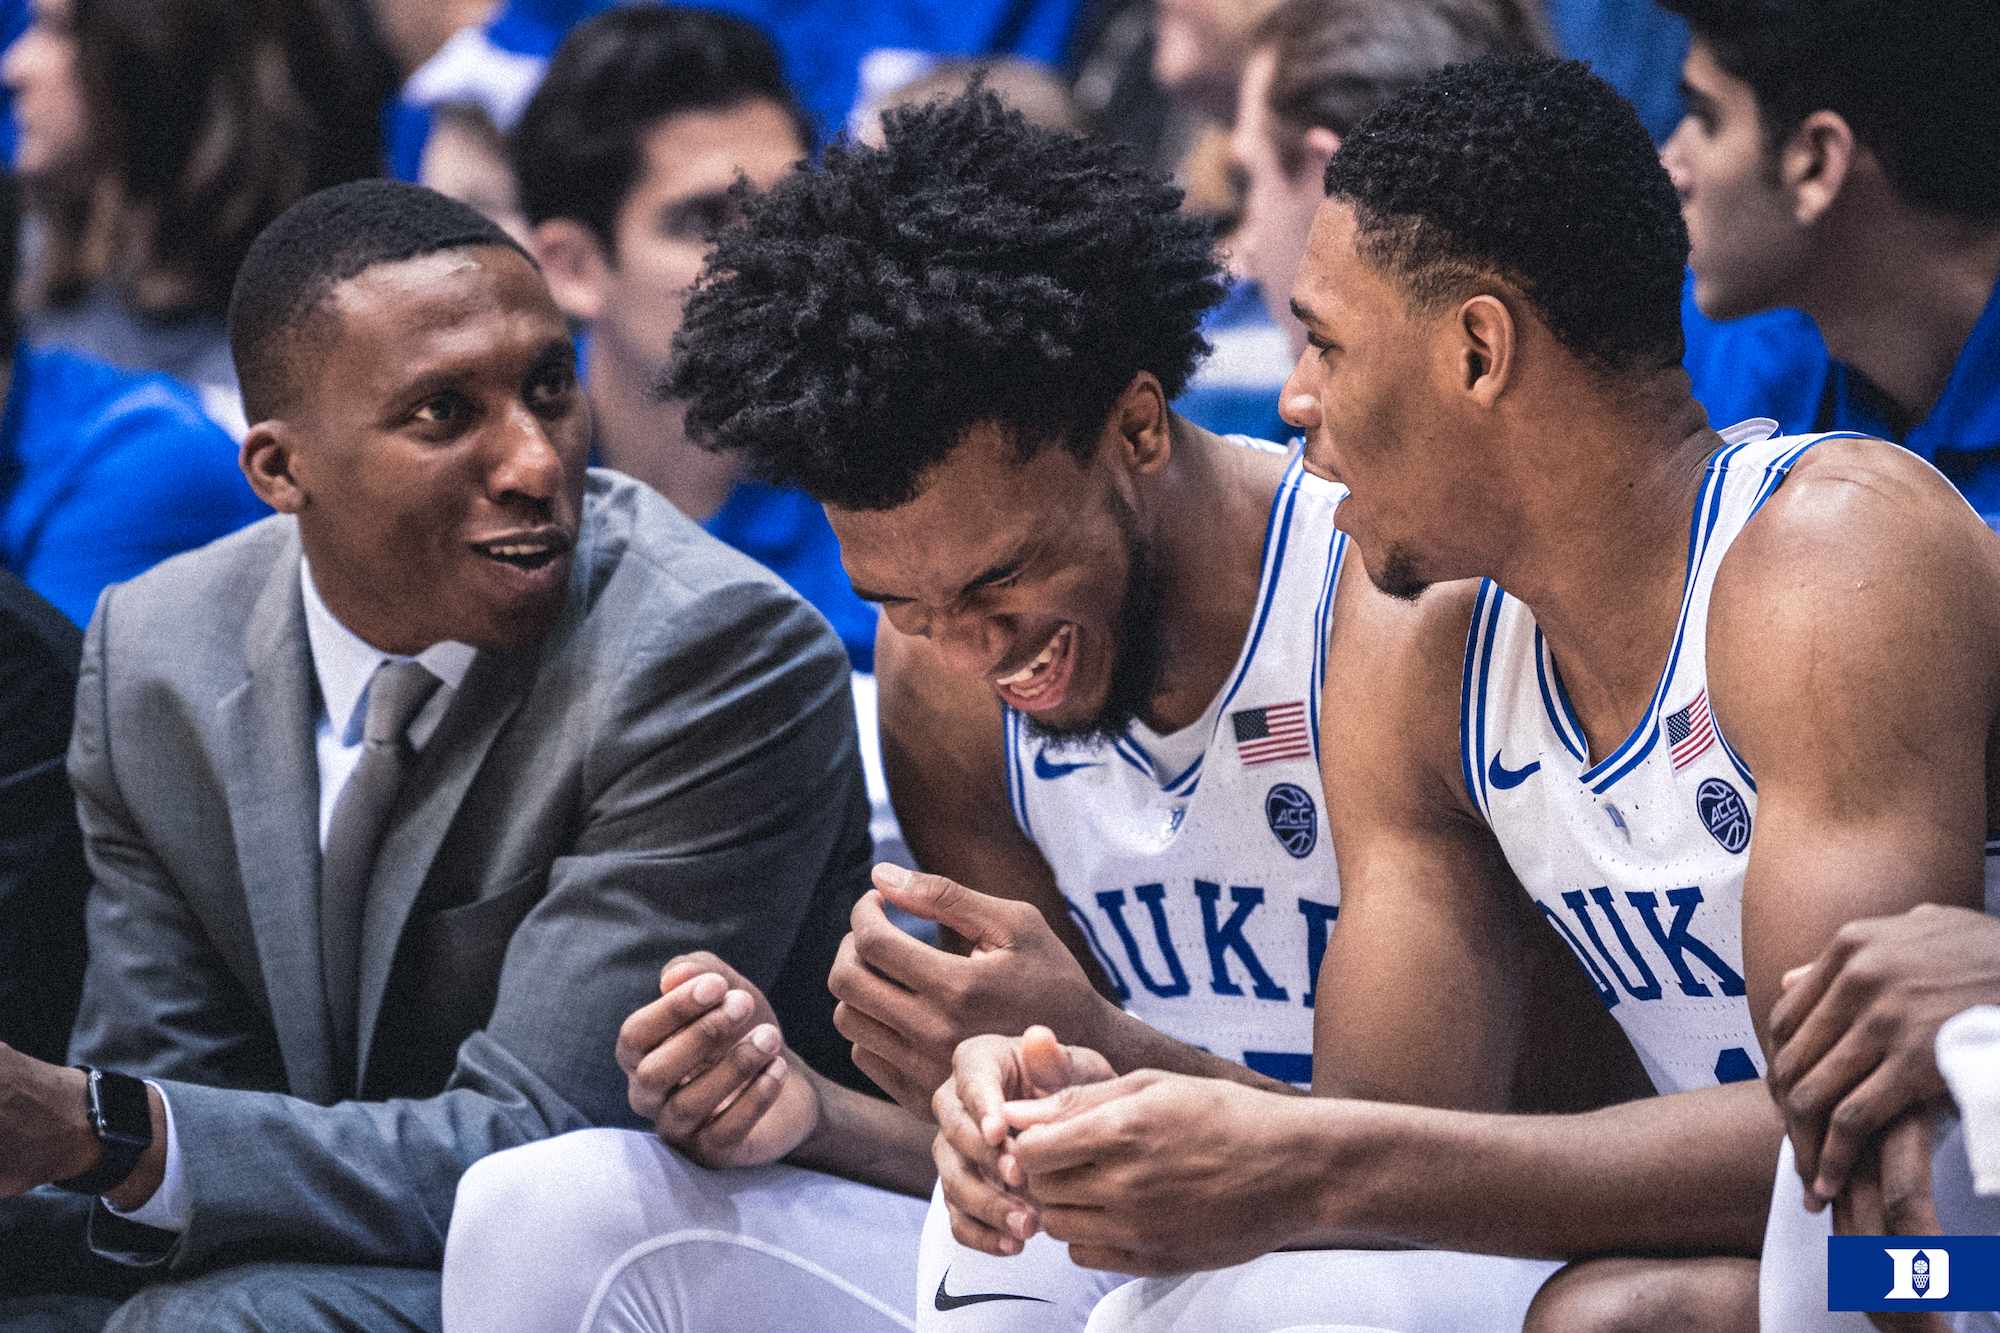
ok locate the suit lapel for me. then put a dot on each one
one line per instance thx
(268, 726)
(487, 698)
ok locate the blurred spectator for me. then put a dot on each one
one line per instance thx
(157, 137)
(625, 159)
(103, 473)
(1843, 156)
(465, 157)
(1027, 86)
(42, 874)
(1315, 68)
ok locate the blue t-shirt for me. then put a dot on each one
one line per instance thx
(786, 531)
(1764, 365)
(104, 473)
(1960, 437)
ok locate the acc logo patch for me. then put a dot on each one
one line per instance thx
(1723, 813)
(1293, 817)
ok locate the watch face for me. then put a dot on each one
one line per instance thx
(120, 1108)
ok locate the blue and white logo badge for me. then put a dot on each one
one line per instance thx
(1723, 814)
(1293, 817)
(1920, 1274)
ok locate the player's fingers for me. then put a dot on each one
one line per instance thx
(647, 1028)
(690, 965)
(1907, 1206)
(697, 1045)
(1829, 983)
(1038, 1117)
(1888, 1092)
(1113, 1260)
(717, 1142)
(985, 1072)
(979, 918)
(1809, 1098)
(962, 1128)
(1857, 1210)
(696, 1102)
(888, 1076)
(979, 1206)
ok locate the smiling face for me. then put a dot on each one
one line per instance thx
(1370, 393)
(1747, 243)
(435, 457)
(49, 110)
(1032, 577)
(681, 198)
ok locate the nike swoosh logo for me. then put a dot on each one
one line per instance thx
(946, 1301)
(1504, 778)
(1046, 770)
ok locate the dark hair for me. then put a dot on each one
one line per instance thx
(1533, 170)
(576, 151)
(973, 269)
(214, 116)
(1337, 60)
(318, 243)
(1918, 81)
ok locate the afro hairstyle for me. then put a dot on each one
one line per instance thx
(974, 269)
(1533, 170)
(313, 246)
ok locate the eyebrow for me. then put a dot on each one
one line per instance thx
(993, 574)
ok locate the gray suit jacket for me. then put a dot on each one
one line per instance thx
(673, 768)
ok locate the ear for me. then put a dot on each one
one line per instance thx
(1814, 163)
(1321, 144)
(1483, 340)
(266, 459)
(575, 266)
(1138, 426)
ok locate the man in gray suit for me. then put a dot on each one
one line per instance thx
(396, 803)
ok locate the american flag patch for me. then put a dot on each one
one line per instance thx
(1691, 730)
(1265, 735)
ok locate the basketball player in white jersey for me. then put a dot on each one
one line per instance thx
(1101, 697)
(1722, 694)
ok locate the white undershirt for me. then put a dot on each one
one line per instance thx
(344, 663)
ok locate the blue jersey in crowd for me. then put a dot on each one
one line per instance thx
(104, 473)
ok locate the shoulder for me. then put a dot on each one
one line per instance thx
(209, 594)
(652, 587)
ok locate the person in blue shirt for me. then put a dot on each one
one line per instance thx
(1843, 157)
(625, 159)
(103, 472)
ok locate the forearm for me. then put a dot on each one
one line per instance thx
(868, 1140)
(1688, 1173)
(1130, 1044)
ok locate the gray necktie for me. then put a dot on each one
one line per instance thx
(395, 694)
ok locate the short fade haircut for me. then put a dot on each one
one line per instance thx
(1533, 170)
(577, 150)
(1338, 60)
(1918, 81)
(974, 269)
(276, 311)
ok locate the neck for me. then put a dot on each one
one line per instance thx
(1208, 510)
(1594, 541)
(1897, 292)
(647, 439)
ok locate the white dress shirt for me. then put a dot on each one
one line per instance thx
(344, 664)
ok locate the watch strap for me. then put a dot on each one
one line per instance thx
(121, 1115)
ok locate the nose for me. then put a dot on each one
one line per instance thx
(970, 644)
(1673, 156)
(17, 62)
(1298, 401)
(527, 466)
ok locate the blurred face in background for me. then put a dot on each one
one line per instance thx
(1269, 242)
(40, 67)
(1198, 50)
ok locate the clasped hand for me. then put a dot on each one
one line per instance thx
(1148, 1173)
(707, 1064)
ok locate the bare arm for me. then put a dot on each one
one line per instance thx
(1853, 643)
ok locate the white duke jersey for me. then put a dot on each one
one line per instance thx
(1637, 860)
(1196, 863)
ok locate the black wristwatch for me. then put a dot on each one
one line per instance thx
(121, 1115)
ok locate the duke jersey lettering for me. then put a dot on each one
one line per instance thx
(1195, 862)
(1637, 860)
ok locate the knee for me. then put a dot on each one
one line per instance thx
(539, 1188)
(1710, 1294)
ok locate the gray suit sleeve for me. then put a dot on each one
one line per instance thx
(720, 808)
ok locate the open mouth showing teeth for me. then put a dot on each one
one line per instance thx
(522, 555)
(1031, 680)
